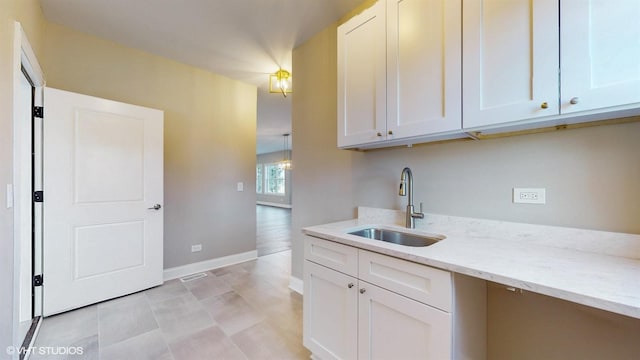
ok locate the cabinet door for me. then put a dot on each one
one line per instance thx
(600, 51)
(362, 78)
(510, 64)
(423, 67)
(330, 313)
(394, 327)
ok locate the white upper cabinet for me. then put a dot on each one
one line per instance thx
(412, 71)
(510, 62)
(362, 78)
(600, 54)
(549, 62)
(423, 67)
(399, 73)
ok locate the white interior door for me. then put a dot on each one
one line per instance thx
(102, 178)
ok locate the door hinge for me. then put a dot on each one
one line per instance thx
(38, 280)
(38, 111)
(38, 196)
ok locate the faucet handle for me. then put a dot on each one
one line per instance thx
(418, 215)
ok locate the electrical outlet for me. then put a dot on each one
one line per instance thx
(196, 248)
(529, 196)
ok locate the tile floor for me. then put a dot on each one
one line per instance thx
(243, 311)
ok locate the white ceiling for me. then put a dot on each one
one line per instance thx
(243, 39)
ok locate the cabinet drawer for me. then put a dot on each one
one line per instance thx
(336, 256)
(419, 282)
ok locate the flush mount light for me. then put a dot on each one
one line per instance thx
(280, 82)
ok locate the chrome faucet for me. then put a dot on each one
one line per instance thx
(406, 187)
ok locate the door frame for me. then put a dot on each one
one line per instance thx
(24, 58)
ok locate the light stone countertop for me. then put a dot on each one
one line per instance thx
(594, 268)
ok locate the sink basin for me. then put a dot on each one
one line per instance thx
(397, 237)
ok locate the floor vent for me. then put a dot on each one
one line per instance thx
(193, 277)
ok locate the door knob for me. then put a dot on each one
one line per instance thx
(362, 291)
(544, 105)
(155, 207)
(574, 100)
(350, 285)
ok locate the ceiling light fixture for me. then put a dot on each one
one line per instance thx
(286, 162)
(280, 82)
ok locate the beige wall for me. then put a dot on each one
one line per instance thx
(209, 136)
(28, 13)
(210, 124)
(591, 176)
(322, 174)
(530, 326)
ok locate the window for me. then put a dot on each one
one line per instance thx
(259, 180)
(274, 179)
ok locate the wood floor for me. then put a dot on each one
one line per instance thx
(273, 229)
(244, 311)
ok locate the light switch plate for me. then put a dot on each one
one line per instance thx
(240, 186)
(529, 195)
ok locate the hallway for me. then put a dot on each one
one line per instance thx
(273, 229)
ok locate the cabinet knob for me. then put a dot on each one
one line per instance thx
(390, 132)
(379, 134)
(574, 100)
(350, 285)
(362, 291)
(544, 105)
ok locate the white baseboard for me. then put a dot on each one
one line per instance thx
(286, 206)
(180, 271)
(296, 285)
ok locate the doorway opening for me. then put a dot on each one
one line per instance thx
(273, 173)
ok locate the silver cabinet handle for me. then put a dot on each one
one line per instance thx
(350, 285)
(574, 100)
(155, 207)
(362, 291)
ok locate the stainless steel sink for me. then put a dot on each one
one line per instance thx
(397, 237)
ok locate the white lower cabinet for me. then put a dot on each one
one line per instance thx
(391, 326)
(403, 310)
(330, 313)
